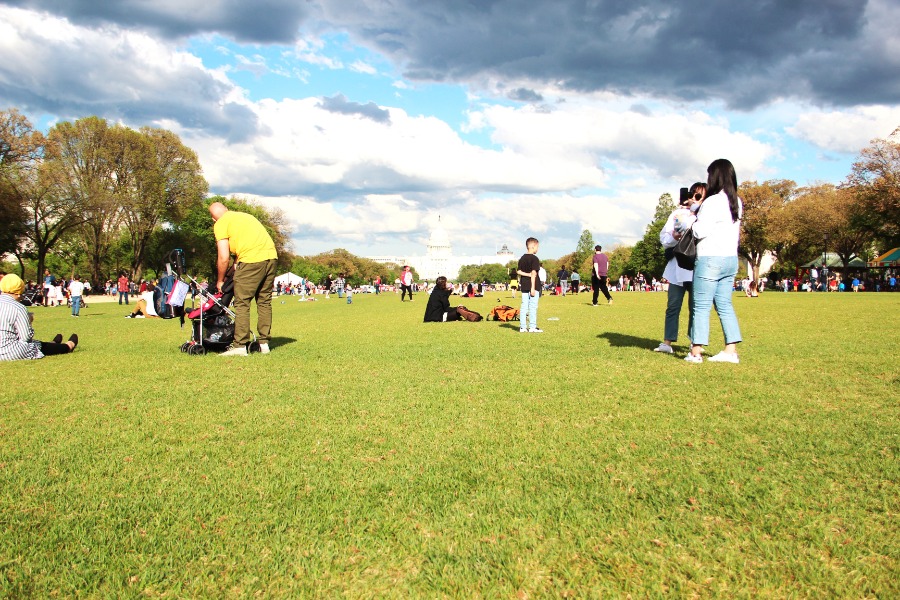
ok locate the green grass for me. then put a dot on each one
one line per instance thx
(372, 455)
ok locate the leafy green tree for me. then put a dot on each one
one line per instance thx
(648, 255)
(165, 179)
(492, 273)
(619, 257)
(582, 255)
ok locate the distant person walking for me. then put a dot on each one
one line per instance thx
(123, 288)
(406, 281)
(717, 231)
(599, 272)
(563, 277)
(76, 290)
(576, 282)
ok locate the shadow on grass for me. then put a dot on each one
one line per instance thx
(277, 342)
(621, 340)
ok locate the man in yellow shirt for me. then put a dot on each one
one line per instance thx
(254, 272)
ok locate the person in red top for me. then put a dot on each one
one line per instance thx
(123, 288)
(598, 274)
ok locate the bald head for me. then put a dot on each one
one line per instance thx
(216, 210)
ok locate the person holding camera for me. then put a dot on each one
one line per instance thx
(680, 280)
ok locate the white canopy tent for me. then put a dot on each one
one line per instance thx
(287, 278)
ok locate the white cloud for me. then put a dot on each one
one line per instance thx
(849, 130)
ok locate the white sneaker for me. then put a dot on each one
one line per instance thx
(693, 359)
(664, 348)
(235, 350)
(729, 357)
(264, 349)
(523, 331)
(535, 330)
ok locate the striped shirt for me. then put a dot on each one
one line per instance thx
(16, 333)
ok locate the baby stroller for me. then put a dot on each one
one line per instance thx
(32, 297)
(212, 323)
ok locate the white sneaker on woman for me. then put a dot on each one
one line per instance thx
(664, 347)
(693, 359)
(729, 357)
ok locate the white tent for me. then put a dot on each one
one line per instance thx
(287, 278)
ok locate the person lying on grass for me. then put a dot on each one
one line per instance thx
(16, 333)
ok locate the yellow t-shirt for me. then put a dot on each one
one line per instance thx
(247, 238)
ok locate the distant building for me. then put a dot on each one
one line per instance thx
(439, 259)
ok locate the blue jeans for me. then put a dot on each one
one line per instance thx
(714, 281)
(673, 309)
(528, 311)
(123, 295)
(76, 305)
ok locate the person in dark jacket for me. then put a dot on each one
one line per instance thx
(438, 309)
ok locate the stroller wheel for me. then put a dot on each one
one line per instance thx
(185, 346)
(252, 347)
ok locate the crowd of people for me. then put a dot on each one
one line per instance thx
(709, 215)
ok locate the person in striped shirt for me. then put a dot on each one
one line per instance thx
(16, 333)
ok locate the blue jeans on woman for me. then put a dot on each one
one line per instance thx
(673, 309)
(714, 281)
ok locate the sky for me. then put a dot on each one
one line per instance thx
(367, 121)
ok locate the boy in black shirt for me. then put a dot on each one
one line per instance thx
(530, 286)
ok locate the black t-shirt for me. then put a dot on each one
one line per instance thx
(527, 264)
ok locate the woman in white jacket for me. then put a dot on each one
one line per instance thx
(717, 231)
(679, 279)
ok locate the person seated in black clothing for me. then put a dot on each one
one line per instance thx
(438, 309)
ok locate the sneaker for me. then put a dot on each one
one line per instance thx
(729, 357)
(235, 350)
(693, 359)
(664, 348)
(610, 301)
(523, 331)
(140, 317)
(264, 349)
(535, 330)
(129, 316)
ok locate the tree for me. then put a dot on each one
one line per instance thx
(648, 255)
(492, 273)
(761, 202)
(38, 211)
(18, 148)
(619, 257)
(165, 180)
(84, 158)
(875, 178)
(583, 252)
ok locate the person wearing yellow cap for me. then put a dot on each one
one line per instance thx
(16, 334)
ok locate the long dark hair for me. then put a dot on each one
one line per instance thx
(722, 178)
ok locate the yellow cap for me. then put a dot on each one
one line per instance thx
(12, 284)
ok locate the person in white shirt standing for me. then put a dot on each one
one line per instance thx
(76, 290)
(717, 231)
(679, 279)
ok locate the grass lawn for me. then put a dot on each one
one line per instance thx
(372, 455)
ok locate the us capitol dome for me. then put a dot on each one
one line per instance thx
(439, 259)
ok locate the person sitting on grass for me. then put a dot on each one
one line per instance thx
(145, 307)
(438, 309)
(16, 333)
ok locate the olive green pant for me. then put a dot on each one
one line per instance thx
(253, 281)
